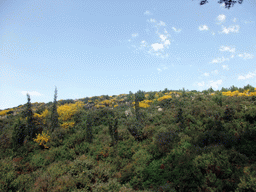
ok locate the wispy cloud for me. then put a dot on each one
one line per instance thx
(219, 60)
(156, 48)
(151, 20)
(233, 28)
(225, 67)
(226, 48)
(203, 28)
(215, 84)
(246, 56)
(147, 13)
(215, 72)
(206, 74)
(176, 30)
(248, 76)
(221, 18)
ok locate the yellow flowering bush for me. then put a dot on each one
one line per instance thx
(67, 125)
(42, 139)
(67, 111)
(4, 112)
(42, 116)
(164, 97)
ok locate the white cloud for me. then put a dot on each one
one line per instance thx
(167, 42)
(31, 93)
(143, 44)
(215, 84)
(176, 30)
(221, 18)
(152, 20)
(219, 60)
(215, 72)
(159, 70)
(157, 46)
(134, 34)
(226, 48)
(234, 28)
(162, 37)
(246, 56)
(225, 67)
(147, 13)
(248, 76)
(161, 23)
(200, 84)
(235, 19)
(203, 27)
(248, 22)
(206, 74)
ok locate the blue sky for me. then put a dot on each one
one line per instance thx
(111, 47)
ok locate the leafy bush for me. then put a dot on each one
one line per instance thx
(18, 134)
(218, 137)
(42, 139)
(164, 140)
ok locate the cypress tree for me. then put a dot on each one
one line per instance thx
(54, 114)
(30, 129)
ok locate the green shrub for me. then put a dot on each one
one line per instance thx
(18, 134)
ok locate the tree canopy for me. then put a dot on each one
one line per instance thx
(228, 3)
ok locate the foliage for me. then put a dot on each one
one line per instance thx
(67, 101)
(66, 112)
(113, 132)
(42, 139)
(151, 96)
(54, 114)
(214, 150)
(30, 129)
(140, 96)
(18, 134)
(228, 3)
(89, 135)
(217, 98)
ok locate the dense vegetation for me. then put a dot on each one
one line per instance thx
(195, 142)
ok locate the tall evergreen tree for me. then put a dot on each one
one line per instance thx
(30, 128)
(54, 114)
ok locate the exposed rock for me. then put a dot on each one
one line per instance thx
(160, 109)
(3, 117)
(89, 106)
(128, 112)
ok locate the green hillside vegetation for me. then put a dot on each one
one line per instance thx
(197, 141)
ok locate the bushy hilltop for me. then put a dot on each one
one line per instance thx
(103, 101)
(194, 141)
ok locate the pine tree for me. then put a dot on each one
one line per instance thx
(54, 114)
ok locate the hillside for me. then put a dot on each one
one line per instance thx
(165, 141)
